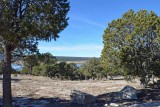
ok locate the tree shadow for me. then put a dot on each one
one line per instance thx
(44, 102)
(15, 79)
(116, 79)
(12, 79)
(150, 94)
(143, 96)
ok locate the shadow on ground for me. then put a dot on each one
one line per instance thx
(44, 102)
(13, 79)
(144, 95)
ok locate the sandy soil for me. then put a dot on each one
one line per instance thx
(38, 87)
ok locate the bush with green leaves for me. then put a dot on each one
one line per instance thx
(53, 69)
(93, 69)
(62, 70)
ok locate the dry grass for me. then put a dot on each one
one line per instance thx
(38, 86)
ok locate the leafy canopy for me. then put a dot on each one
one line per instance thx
(131, 44)
(24, 22)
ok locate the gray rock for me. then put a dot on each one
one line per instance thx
(156, 86)
(81, 97)
(128, 92)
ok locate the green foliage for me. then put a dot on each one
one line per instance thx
(46, 65)
(62, 70)
(42, 19)
(15, 75)
(25, 70)
(93, 69)
(37, 59)
(22, 24)
(47, 58)
(40, 70)
(131, 45)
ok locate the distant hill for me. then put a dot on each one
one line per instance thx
(66, 58)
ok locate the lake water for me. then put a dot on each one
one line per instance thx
(17, 67)
(79, 65)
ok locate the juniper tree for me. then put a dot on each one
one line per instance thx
(131, 44)
(22, 24)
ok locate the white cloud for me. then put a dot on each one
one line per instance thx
(88, 50)
(81, 48)
(90, 22)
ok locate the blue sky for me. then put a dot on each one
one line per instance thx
(88, 20)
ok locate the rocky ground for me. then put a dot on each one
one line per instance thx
(37, 91)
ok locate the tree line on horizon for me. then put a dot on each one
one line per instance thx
(70, 58)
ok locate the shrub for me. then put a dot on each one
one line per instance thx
(25, 70)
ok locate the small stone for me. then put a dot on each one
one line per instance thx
(106, 105)
(114, 105)
(150, 100)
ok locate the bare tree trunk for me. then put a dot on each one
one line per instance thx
(30, 69)
(7, 93)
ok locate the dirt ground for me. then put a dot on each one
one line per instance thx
(44, 87)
